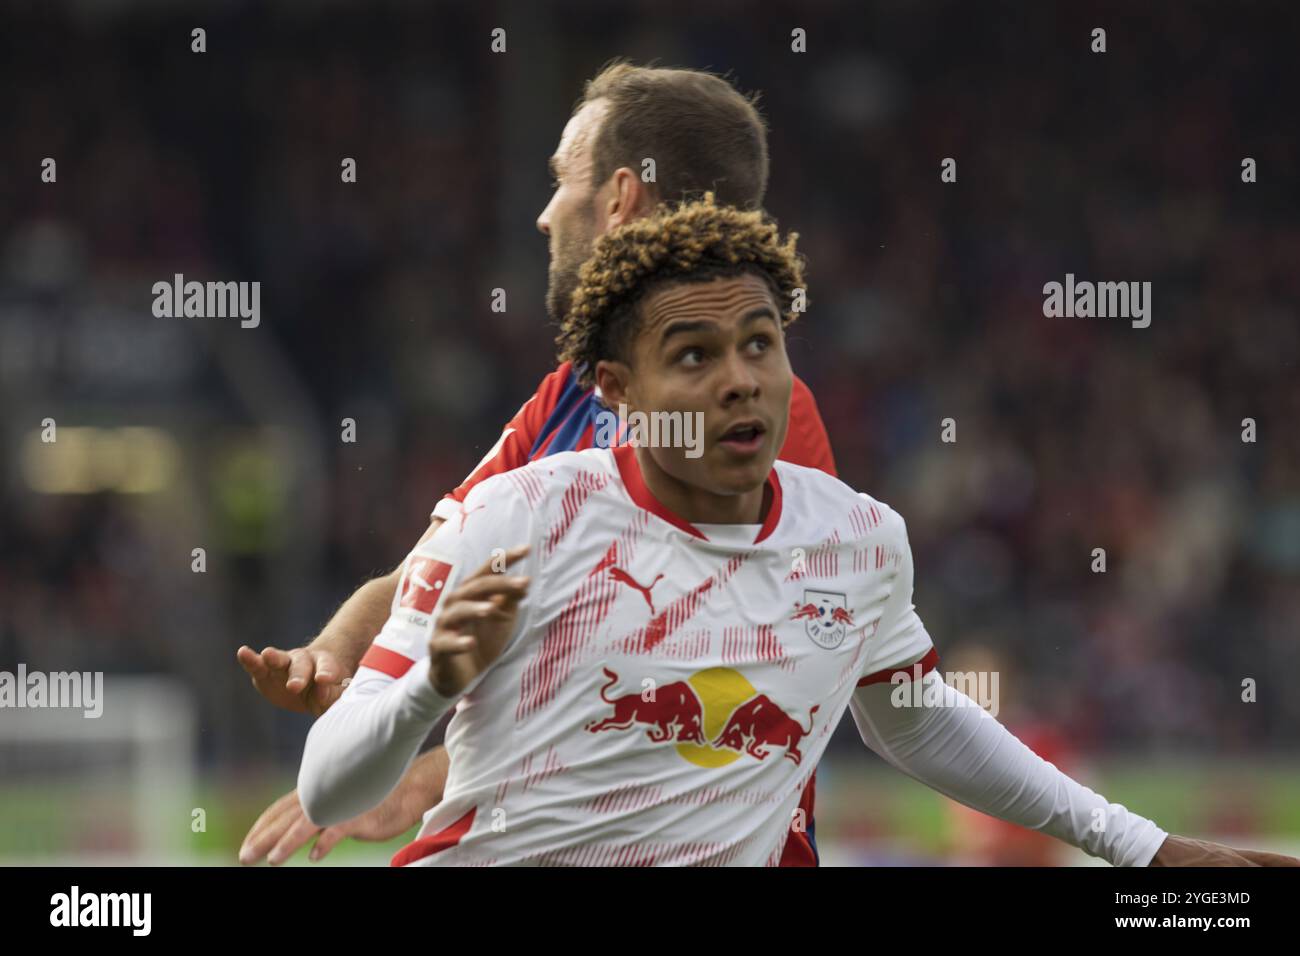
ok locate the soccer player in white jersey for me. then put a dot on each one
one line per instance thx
(647, 649)
(703, 133)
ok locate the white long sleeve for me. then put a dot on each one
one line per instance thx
(955, 747)
(357, 752)
(359, 749)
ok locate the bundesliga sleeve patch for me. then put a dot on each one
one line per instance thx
(424, 584)
(425, 579)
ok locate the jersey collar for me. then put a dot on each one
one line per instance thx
(630, 471)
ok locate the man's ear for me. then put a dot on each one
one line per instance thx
(627, 198)
(613, 379)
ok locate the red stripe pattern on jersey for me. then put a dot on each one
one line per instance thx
(576, 625)
(626, 799)
(575, 496)
(822, 561)
(529, 485)
(699, 853)
(743, 644)
(686, 606)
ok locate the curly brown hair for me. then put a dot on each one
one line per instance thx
(690, 242)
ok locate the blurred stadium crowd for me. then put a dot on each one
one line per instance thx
(925, 304)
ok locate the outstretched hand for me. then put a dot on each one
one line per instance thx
(305, 679)
(283, 828)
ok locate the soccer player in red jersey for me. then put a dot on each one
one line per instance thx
(703, 135)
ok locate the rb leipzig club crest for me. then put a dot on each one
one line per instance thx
(826, 617)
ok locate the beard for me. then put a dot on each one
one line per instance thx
(561, 283)
(567, 257)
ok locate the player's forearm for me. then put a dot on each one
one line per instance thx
(358, 751)
(424, 783)
(959, 750)
(353, 627)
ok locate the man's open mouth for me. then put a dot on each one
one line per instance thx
(744, 436)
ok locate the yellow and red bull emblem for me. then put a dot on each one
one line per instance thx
(713, 717)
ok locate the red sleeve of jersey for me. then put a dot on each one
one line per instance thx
(806, 441)
(517, 438)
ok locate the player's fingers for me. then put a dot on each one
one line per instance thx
(252, 662)
(504, 604)
(259, 842)
(302, 668)
(285, 804)
(267, 830)
(275, 658)
(464, 613)
(509, 601)
(329, 838)
(323, 696)
(495, 566)
(482, 588)
(298, 833)
(443, 644)
(329, 669)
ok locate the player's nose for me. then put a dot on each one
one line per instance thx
(544, 220)
(739, 383)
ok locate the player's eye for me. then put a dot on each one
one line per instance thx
(691, 357)
(760, 343)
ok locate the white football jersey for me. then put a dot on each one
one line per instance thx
(668, 688)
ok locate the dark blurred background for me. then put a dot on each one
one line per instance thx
(925, 303)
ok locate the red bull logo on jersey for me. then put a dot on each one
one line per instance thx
(759, 723)
(826, 617)
(671, 712)
(712, 718)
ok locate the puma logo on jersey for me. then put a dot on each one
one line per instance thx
(465, 514)
(618, 574)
